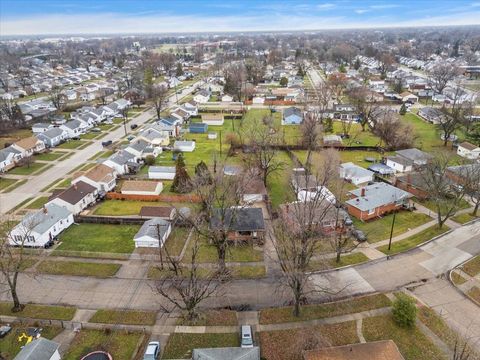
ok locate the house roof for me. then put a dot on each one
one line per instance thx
(140, 185)
(157, 211)
(213, 117)
(292, 111)
(4, 152)
(44, 219)
(464, 170)
(162, 169)
(184, 143)
(39, 349)
(73, 124)
(149, 228)
(99, 173)
(41, 125)
(352, 170)
(414, 154)
(378, 350)
(468, 146)
(27, 143)
(376, 195)
(52, 133)
(239, 219)
(138, 145)
(381, 168)
(121, 157)
(75, 193)
(400, 160)
(232, 353)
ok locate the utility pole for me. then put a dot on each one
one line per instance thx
(220, 143)
(391, 230)
(159, 237)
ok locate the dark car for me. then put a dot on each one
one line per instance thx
(133, 126)
(107, 143)
(359, 235)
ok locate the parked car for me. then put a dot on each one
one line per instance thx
(359, 235)
(130, 137)
(4, 330)
(96, 130)
(133, 126)
(107, 143)
(247, 339)
(153, 351)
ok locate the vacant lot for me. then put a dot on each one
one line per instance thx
(180, 345)
(279, 183)
(129, 317)
(40, 311)
(130, 207)
(27, 169)
(78, 268)
(99, 238)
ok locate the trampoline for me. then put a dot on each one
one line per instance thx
(98, 355)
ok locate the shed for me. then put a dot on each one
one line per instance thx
(212, 135)
(186, 146)
(161, 172)
(148, 235)
(198, 128)
(355, 174)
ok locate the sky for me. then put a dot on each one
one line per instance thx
(51, 17)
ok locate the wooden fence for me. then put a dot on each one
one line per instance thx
(170, 198)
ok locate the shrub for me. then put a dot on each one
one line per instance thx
(149, 160)
(403, 110)
(404, 311)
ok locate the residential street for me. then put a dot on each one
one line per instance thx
(34, 186)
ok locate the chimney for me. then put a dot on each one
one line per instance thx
(363, 192)
(75, 186)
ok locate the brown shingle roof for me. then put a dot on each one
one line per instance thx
(378, 350)
(99, 172)
(139, 185)
(212, 117)
(27, 143)
(468, 146)
(76, 192)
(165, 212)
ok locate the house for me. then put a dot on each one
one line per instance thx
(381, 169)
(242, 224)
(141, 187)
(405, 160)
(230, 353)
(39, 349)
(408, 97)
(202, 97)
(101, 176)
(29, 146)
(185, 146)
(122, 162)
(292, 116)
(141, 149)
(214, 119)
(8, 158)
(191, 107)
(431, 114)
(258, 100)
(74, 128)
(40, 228)
(198, 128)
(332, 140)
(377, 350)
(322, 214)
(344, 112)
(75, 198)
(227, 98)
(52, 137)
(163, 212)
(170, 125)
(154, 136)
(355, 174)
(180, 114)
(376, 200)
(153, 233)
(468, 150)
(459, 174)
(413, 183)
(161, 172)
(253, 190)
(41, 127)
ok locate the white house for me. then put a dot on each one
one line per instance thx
(161, 172)
(227, 98)
(258, 100)
(8, 158)
(468, 150)
(154, 136)
(76, 198)
(101, 176)
(141, 149)
(53, 137)
(202, 97)
(73, 128)
(185, 146)
(39, 349)
(191, 107)
(120, 162)
(42, 227)
(41, 127)
(141, 187)
(355, 174)
(153, 233)
(399, 163)
(409, 97)
(29, 146)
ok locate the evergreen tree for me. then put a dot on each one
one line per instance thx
(342, 69)
(203, 173)
(181, 182)
(357, 64)
(283, 81)
(179, 71)
(403, 110)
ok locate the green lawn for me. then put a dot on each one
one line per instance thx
(349, 259)
(213, 318)
(472, 267)
(120, 344)
(40, 311)
(428, 136)
(321, 311)
(27, 170)
(464, 218)
(65, 183)
(102, 154)
(38, 202)
(357, 136)
(412, 343)
(279, 183)
(413, 240)
(72, 144)
(180, 345)
(4, 183)
(474, 293)
(49, 156)
(129, 207)
(379, 229)
(77, 268)
(10, 346)
(128, 317)
(99, 238)
(90, 135)
(430, 204)
(458, 279)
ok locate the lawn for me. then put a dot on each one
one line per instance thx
(289, 344)
(64, 184)
(102, 154)
(474, 293)
(428, 136)
(414, 240)
(10, 346)
(90, 135)
(49, 156)
(38, 202)
(458, 279)
(472, 267)
(77, 268)
(321, 311)
(464, 218)
(213, 318)
(72, 144)
(27, 170)
(348, 259)
(412, 343)
(120, 344)
(129, 207)
(99, 238)
(4, 183)
(128, 317)
(40, 311)
(278, 185)
(430, 204)
(12, 136)
(379, 229)
(180, 345)
(357, 136)
(208, 253)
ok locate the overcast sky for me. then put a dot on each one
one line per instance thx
(26, 17)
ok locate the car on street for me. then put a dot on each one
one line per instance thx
(133, 126)
(107, 143)
(153, 351)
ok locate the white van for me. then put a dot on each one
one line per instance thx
(247, 339)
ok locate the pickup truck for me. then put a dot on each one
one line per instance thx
(107, 143)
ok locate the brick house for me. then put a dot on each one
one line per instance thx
(242, 224)
(412, 183)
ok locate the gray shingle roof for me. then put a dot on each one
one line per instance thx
(377, 195)
(121, 157)
(162, 169)
(52, 133)
(245, 219)
(414, 155)
(149, 228)
(231, 353)
(42, 220)
(139, 145)
(292, 111)
(4, 152)
(73, 124)
(40, 349)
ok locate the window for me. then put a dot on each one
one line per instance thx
(17, 238)
(30, 238)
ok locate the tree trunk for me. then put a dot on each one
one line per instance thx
(221, 251)
(17, 306)
(339, 254)
(475, 209)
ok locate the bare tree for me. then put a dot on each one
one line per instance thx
(159, 98)
(441, 74)
(455, 115)
(469, 180)
(186, 287)
(393, 133)
(57, 97)
(11, 116)
(368, 109)
(311, 132)
(13, 259)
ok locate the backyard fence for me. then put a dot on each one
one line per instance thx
(170, 198)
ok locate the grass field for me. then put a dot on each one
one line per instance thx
(213, 318)
(430, 204)
(49, 156)
(180, 345)
(413, 240)
(27, 170)
(379, 229)
(128, 317)
(40, 311)
(72, 144)
(278, 185)
(120, 344)
(99, 238)
(472, 267)
(77, 268)
(129, 207)
(5, 183)
(464, 218)
(38, 202)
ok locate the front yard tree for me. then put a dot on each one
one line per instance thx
(455, 115)
(57, 97)
(470, 175)
(181, 182)
(13, 260)
(440, 75)
(311, 132)
(159, 98)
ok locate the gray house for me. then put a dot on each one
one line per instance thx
(39, 349)
(231, 353)
(292, 116)
(52, 137)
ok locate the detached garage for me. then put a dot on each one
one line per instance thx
(148, 235)
(141, 187)
(161, 172)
